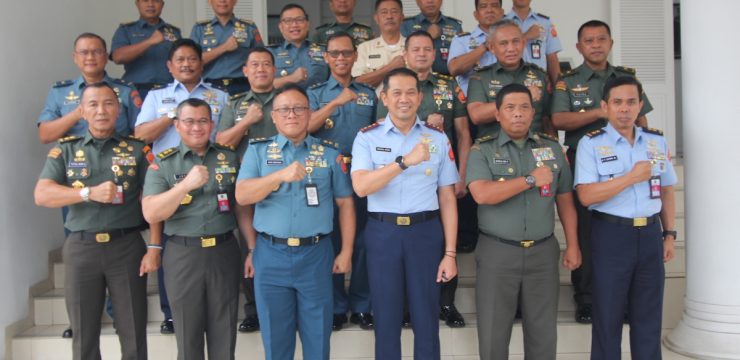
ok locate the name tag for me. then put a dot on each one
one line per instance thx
(383, 149)
(501, 161)
(609, 158)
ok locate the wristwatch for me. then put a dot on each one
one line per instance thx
(85, 194)
(172, 114)
(399, 161)
(673, 233)
(530, 180)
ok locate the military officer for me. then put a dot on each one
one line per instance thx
(516, 176)
(155, 122)
(442, 106)
(340, 108)
(191, 188)
(576, 109)
(407, 171)
(378, 56)
(62, 113)
(625, 176)
(226, 40)
(294, 180)
(249, 115)
(507, 43)
(469, 50)
(342, 10)
(99, 176)
(543, 43)
(442, 29)
(142, 46)
(297, 60)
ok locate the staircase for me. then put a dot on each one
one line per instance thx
(43, 341)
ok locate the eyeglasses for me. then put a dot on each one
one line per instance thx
(95, 52)
(192, 122)
(335, 53)
(298, 110)
(296, 20)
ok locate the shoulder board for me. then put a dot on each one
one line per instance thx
(596, 133)
(224, 146)
(167, 153)
(236, 96)
(486, 138)
(409, 18)
(454, 19)
(443, 76)
(547, 136)
(63, 83)
(129, 23)
(330, 144)
(543, 15)
(485, 68)
(122, 82)
(370, 127)
(258, 140)
(537, 67)
(570, 72)
(434, 127)
(314, 86)
(271, 46)
(158, 86)
(321, 26)
(652, 131)
(67, 139)
(626, 69)
(463, 34)
(248, 22)
(134, 138)
(203, 22)
(363, 25)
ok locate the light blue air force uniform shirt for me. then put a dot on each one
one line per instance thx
(536, 51)
(604, 154)
(415, 189)
(285, 211)
(164, 101)
(465, 43)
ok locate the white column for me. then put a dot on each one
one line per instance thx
(710, 327)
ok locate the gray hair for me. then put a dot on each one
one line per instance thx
(500, 24)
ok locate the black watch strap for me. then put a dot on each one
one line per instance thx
(674, 233)
(399, 161)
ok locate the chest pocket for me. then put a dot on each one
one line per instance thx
(375, 61)
(609, 169)
(227, 174)
(364, 106)
(381, 158)
(283, 62)
(209, 41)
(501, 168)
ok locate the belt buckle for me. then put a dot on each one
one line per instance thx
(347, 159)
(102, 238)
(294, 241)
(640, 221)
(403, 220)
(526, 243)
(226, 82)
(206, 242)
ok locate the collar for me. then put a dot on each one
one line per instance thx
(512, 15)
(89, 138)
(287, 44)
(478, 32)
(420, 18)
(590, 73)
(504, 138)
(497, 67)
(214, 21)
(282, 141)
(387, 125)
(184, 149)
(252, 95)
(80, 81)
(430, 79)
(401, 41)
(141, 23)
(615, 137)
(177, 84)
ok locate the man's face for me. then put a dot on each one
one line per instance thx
(389, 17)
(595, 44)
(150, 9)
(429, 7)
(522, 3)
(185, 65)
(508, 45)
(290, 113)
(100, 108)
(419, 54)
(516, 114)
(488, 12)
(90, 56)
(340, 65)
(194, 126)
(623, 106)
(294, 25)
(342, 7)
(401, 97)
(260, 71)
(222, 7)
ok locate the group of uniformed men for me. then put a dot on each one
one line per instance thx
(290, 165)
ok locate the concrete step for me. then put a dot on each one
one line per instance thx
(44, 342)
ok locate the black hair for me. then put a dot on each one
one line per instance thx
(341, 34)
(293, 6)
(512, 89)
(400, 72)
(196, 103)
(89, 35)
(185, 43)
(418, 33)
(501, 3)
(378, 2)
(99, 85)
(259, 49)
(594, 23)
(611, 83)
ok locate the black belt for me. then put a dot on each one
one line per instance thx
(205, 241)
(227, 81)
(519, 243)
(295, 241)
(106, 235)
(405, 219)
(636, 222)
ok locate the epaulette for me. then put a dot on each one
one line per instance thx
(128, 23)
(317, 85)
(63, 83)
(454, 19)
(483, 139)
(236, 96)
(487, 67)
(134, 138)
(463, 34)
(434, 127)
(370, 127)
(548, 136)
(570, 72)
(67, 139)
(409, 18)
(258, 140)
(537, 67)
(203, 22)
(224, 146)
(158, 86)
(652, 131)
(330, 144)
(167, 153)
(248, 22)
(122, 82)
(322, 25)
(443, 76)
(543, 15)
(626, 69)
(595, 133)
